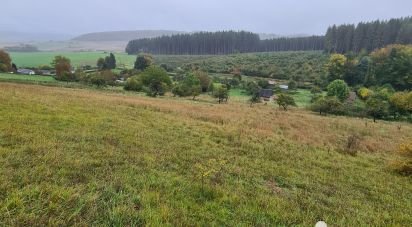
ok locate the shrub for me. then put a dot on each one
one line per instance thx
(133, 84)
(325, 105)
(404, 165)
(204, 80)
(292, 85)
(315, 90)
(155, 80)
(401, 102)
(98, 80)
(364, 93)
(189, 86)
(377, 107)
(352, 145)
(221, 93)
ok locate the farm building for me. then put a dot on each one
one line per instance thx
(25, 71)
(284, 87)
(266, 94)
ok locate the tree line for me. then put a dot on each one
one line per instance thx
(368, 36)
(365, 36)
(222, 42)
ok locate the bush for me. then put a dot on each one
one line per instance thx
(189, 86)
(377, 107)
(221, 93)
(352, 145)
(155, 81)
(325, 105)
(404, 165)
(133, 84)
(292, 85)
(98, 80)
(315, 90)
(364, 93)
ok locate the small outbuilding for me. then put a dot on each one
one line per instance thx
(266, 94)
(284, 87)
(25, 71)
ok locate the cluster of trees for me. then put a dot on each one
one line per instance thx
(223, 42)
(389, 65)
(192, 84)
(64, 72)
(338, 39)
(302, 66)
(155, 81)
(378, 102)
(109, 62)
(197, 43)
(368, 36)
(99, 78)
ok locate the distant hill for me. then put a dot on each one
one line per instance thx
(17, 36)
(125, 36)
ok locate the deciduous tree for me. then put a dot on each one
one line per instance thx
(285, 101)
(339, 89)
(143, 61)
(5, 62)
(63, 68)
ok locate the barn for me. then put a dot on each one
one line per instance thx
(266, 94)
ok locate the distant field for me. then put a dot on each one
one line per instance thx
(77, 58)
(281, 65)
(16, 77)
(79, 157)
(36, 59)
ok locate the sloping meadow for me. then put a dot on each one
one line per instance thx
(84, 157)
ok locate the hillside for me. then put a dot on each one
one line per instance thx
(125, 36)
(85, 157)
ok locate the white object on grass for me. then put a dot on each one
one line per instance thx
(321, 224)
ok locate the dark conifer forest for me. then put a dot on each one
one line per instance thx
(368, 36)
(224, 42)
(338, 39)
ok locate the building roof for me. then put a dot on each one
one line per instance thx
(286, 87)
(25, 71)
(267, 93)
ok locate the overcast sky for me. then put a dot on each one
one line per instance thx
(283, 17)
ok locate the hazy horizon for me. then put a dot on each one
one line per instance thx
(75, 17)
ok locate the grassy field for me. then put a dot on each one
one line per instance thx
(35, 59)
(302, 97)
(77, 58)
(85, 157)
(281, 65)
(16, 77)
